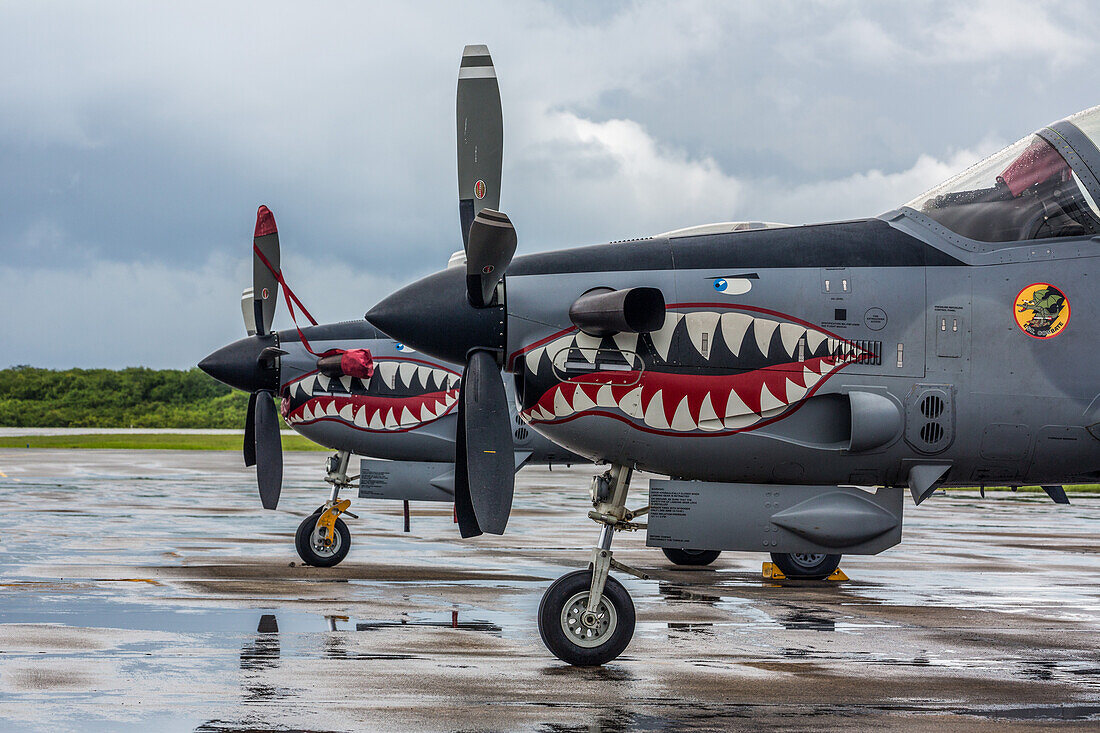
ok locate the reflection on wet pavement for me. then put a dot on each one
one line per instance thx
(145, 589)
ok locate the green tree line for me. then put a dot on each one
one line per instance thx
(107, 398)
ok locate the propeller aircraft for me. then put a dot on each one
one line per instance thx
(349, 387)
(791, 381)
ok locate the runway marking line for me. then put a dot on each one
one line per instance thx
(4, 475)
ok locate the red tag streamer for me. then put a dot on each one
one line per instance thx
(290, 298)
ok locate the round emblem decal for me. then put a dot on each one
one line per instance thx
(1042, 310)
(479, 189)
(488, 269)
(264, 293)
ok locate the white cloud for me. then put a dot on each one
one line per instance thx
(627, 184)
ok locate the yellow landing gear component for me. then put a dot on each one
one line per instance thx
(326, 523)
(770, 572)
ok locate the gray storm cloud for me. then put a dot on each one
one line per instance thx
(137, 139)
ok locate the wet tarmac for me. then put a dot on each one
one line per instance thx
(143, 589)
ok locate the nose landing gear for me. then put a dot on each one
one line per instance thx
(323, 539)
(586, 617)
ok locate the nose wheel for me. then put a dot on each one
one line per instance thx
(323, 539)
(314, 545)
(586, 618)
(581, 637)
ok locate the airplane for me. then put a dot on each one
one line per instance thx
(791, 381)
(349, 387)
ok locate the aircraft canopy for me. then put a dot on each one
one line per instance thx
(1029, 190)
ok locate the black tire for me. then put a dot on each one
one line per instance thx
(312, 556)
(697, 558)
(806, 566)
(571, 592)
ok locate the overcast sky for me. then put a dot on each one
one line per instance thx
(137, 139)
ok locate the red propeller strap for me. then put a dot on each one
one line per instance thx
(291, 299)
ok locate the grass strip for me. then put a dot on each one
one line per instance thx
(152, 441)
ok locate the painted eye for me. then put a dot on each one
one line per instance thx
(732, 286)
(406, 349)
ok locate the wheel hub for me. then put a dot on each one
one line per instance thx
(586, 628)
(322, 546)
(807, 559)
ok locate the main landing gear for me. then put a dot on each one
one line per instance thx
(323, 539)
(806, 565)
(586, 618)
(696, 558)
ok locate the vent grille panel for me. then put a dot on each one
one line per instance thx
(930, 417)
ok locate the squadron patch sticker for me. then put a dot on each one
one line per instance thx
(479, 189)
(1042, 310)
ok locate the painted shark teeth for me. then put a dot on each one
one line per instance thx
(654, 415)
(762, 329)
(734, 327)
(662, 339)
(790, 334)
(708, 418)
(797, 358)
(377, 413)
(682, 419)
(581, 400)
(814, 339)
(631, 403)
(387, 370)
(735, 406)
(701, 327)
(626, 341)
(394, 374)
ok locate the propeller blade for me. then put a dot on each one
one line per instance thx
(248, 310)
(480, 136)
(250, 432)
(484, 460)
(269, 451)
(488, 254)
(265, 286)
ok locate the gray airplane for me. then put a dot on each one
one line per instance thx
(791, 381)
(349, 387)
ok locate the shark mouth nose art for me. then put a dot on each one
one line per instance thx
(703, 372)
(402, 395)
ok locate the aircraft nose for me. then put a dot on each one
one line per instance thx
(434, 316)
(239, 365)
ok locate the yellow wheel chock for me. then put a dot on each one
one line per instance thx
(770, 572)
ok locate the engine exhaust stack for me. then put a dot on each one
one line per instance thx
(604, 312)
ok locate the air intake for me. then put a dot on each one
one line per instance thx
(930, 417)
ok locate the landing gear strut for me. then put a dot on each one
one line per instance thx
(323, 539)
(586, 618)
